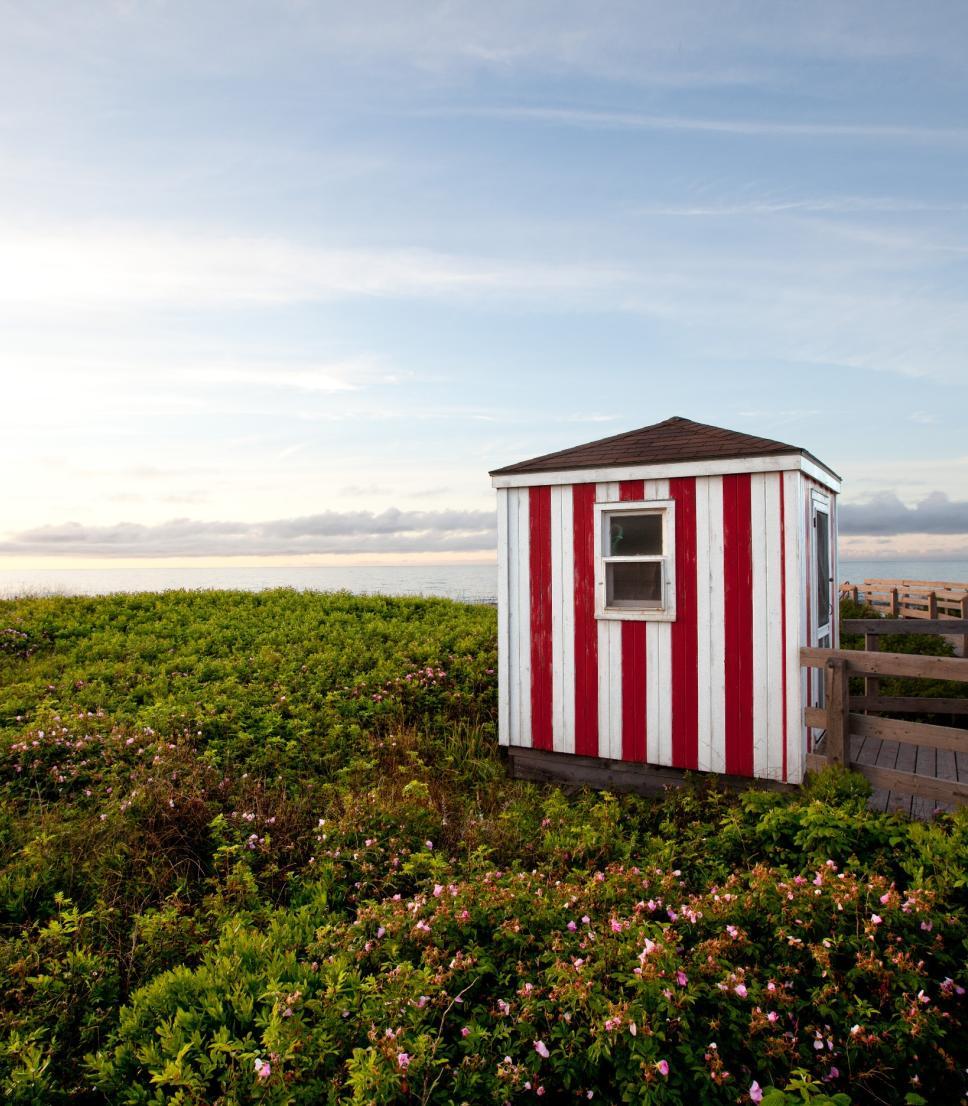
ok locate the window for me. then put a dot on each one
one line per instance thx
(634, 560)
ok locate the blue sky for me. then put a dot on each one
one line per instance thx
(287, 279)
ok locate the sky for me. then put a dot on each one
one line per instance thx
(283, 281)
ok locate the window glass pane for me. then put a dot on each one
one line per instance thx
(634, 535)
(633, 584)
(823, 568)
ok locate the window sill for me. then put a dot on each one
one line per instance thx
(631, 614)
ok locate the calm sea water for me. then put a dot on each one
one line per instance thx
(470, 583)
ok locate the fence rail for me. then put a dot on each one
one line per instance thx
(840, 716)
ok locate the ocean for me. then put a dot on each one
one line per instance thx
(469, 583)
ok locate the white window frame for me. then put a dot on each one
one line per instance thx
(666, 508)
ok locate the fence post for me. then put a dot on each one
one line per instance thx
(964, 614)
(836, 694)
(855, 594)
(933, 605)
(894, 603)
(872, 685)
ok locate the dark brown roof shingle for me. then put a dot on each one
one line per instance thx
(667, 442)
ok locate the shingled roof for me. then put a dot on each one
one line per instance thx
(667, 442)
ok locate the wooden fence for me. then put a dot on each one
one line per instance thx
(841, 718)
(928, 599)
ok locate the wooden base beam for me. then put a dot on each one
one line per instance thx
(599, 773)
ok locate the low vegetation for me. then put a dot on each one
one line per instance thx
(261, 848)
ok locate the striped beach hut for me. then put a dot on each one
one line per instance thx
(654, 589)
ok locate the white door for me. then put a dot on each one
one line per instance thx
(821, 568)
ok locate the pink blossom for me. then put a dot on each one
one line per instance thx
(263, 1069)
(616, 925)
(585, 919)
(756, 1092)
(663, 1067)
(403, 1060)
(740, 989)
(876, 919)
(438, 890)
(542, 1049)
(732, 931)
(572, 927)
(650, 947)
(681, 978)
(465, 1032)
(885, 898)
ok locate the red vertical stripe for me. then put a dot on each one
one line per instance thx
(685, 645)
(738, 618)
(539, 504)
(783, 616)
(633, 663)
(586, 627)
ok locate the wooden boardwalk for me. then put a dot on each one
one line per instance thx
(940, 763)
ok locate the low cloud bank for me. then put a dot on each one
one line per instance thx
(884, 513)
(396, 531)
(357, 532)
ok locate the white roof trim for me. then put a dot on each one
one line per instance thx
(784, 462)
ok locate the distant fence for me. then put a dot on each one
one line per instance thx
(841, 718)
(929, 599)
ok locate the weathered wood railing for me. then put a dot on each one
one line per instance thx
(930, 599)
(840, 719)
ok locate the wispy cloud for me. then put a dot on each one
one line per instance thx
(356, 532)
(822, 205)
(756, 128)
(138, 265)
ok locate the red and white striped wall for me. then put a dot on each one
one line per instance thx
(718, 689)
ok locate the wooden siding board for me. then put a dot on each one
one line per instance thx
(759, 609)
(795, 676)
(658, 648)
(775, 648)
(503, 621)
(633, 664)
(565, 647)
(685, 711)
(609, 666)
(709, 624)
(523, 618)
(539, 519)
(738, 617)
(586, 627)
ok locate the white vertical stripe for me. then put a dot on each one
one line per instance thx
(503, 621)
(558, 691)
(761, 690)
(609, 666)
(794, 545)
(774, 632)
(803, 548)
(710, 613)
(658, 669)
(524, 617)
(567, 658)
(514, 616)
